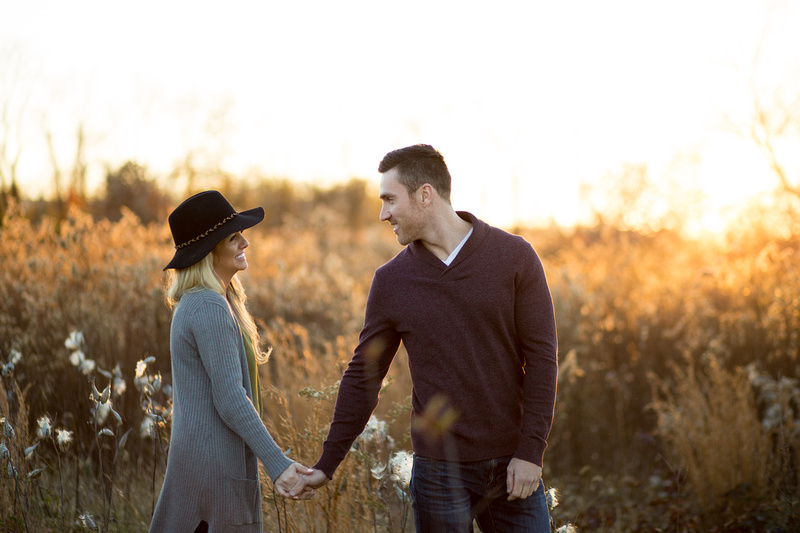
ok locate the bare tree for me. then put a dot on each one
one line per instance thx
(773, 121)
(76, 190)
(629, 199)
(775, 128)
(78, 178)
(205, 137)
(15, 95)
(51, 150)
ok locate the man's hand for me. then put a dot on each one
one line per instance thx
(291, 483)
(310, 480)
(522, 479)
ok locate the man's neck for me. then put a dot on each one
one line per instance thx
(447, 232)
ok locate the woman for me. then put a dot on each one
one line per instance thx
(211, 482)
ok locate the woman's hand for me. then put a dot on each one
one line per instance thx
(292, 482)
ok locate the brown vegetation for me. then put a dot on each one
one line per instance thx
(677, 404)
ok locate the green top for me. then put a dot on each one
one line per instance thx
(253, 368)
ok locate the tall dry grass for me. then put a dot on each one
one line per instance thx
(713, 430)
(627, 304)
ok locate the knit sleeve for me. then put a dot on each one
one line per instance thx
(217, 341)
(536, 326)
(361, 382)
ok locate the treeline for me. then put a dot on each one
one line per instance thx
(130, 188)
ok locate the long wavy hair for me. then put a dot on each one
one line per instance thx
(200, 276)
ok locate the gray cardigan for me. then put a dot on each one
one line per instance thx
(217, 435)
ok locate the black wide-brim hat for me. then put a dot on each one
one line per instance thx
(201, 221)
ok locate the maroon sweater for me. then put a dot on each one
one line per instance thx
(481, 341)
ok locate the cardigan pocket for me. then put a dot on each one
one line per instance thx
(242, 501)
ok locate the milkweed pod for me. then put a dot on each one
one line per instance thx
(95, 396)
(63, 439)
(33, 474)
(124, 438)
(106, 393)
(45, 427)
(29, 450)
(86, 518)
(8, 430)
(117, 417)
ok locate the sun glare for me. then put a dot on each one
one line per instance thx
(552, 97)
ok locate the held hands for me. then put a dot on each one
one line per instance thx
(291, 483)
(522, 479)
(309, 481)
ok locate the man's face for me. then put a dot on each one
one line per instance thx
(402, 211)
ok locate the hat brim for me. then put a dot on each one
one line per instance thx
(193, 253)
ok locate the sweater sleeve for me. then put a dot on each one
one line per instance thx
(361, 382)
(217, 341)
(536, 327)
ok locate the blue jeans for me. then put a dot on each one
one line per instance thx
(447, 496)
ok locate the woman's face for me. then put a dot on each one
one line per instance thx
(228, 256)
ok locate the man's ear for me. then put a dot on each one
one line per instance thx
(426, 192)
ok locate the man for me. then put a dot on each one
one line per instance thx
(471, 305)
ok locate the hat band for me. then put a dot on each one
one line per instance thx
(206, 233)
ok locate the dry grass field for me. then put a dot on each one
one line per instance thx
(678, 400)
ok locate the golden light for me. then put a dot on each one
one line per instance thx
(527, 101)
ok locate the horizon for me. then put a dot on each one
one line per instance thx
(530, 104)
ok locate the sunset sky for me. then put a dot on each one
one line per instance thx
(525, 99)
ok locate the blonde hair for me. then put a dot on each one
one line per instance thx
(201, 275)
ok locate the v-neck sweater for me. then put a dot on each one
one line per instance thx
(482, 351)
